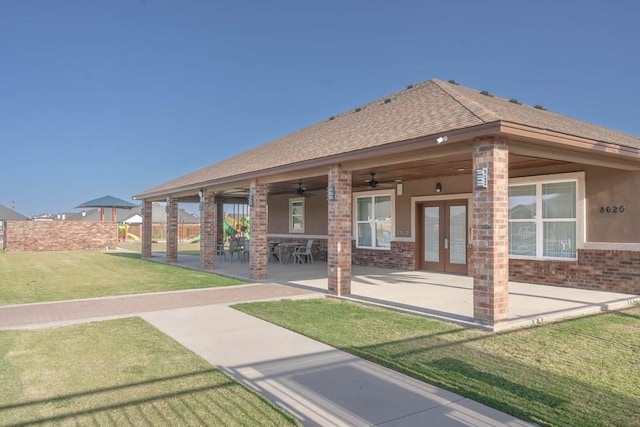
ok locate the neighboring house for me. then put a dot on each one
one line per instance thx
(8, 214)
(188, 223)
(437, 177)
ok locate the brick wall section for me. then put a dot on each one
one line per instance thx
(490, 234)
(172, 231)
(339, 233)
(208, 230)
(28, 236)
(602, 270)
(401, 256)
(147, 228)
(258, 255)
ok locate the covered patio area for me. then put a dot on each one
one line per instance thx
(446, 297)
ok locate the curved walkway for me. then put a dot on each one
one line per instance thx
(318, 384)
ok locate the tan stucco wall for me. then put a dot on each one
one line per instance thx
(315, 209)
(604, 187)
(613, 189)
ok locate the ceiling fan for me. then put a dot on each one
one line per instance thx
(372, 182)
(302, 190)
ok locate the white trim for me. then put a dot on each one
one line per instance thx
(581, 221)
(291, 228)
(354, 215)
(612, 246)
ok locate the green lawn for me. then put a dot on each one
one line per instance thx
(581, 372)
(54, 276)
(119, 372)
(184, 248)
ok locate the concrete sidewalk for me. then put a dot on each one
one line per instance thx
(318, 384)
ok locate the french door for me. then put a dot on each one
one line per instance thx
(443, 236)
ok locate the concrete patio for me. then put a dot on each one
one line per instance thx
(443, 296)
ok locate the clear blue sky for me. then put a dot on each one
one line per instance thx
(117, 96)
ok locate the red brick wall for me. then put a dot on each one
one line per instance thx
(401, 256)
(26, 236)
(603, 270)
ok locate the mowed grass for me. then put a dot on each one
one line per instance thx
(119, 372)
(54, 276)
(184, 248)
(581, 372)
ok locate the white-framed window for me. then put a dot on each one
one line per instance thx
(546, 217)
(374, 221)
(296, 215)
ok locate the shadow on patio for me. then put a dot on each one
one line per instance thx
(443, 296)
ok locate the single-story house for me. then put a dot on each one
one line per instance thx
(436, 177)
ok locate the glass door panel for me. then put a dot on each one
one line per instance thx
(458, 234)
(432, 234)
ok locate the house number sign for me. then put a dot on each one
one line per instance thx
(612, 209)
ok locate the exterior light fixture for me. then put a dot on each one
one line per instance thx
(442, 139)
(399, 187)
(331, 193)
(438, 188)
(482, 178)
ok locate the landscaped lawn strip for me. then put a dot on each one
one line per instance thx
(54, 276)
(580, 372)
(119, 372)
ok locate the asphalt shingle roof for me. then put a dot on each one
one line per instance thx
(427, 108)
(9, 214)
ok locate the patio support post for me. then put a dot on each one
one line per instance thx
(490, 232)
(172, 230)
(147, 228)
(208, 231)
(339, 232)
(219, 221)
(258, 255)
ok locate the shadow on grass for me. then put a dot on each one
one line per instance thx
(524, 390)
(198, 403)
(537, 382)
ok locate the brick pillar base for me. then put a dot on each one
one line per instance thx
(172, 231)
(147, 228)
(490, 233)
(258, 255)
(208, 230)
(339, 233)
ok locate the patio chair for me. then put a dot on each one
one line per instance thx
(236, 246)
(221, 252)
(304, 254)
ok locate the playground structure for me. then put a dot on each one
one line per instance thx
(236, 223)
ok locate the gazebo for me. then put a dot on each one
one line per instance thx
(105, 202)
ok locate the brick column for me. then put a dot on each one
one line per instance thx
(258, 255)
(208, 231)
(172, 230)
(147, 228)
(490, 233)
(220, 221)
(339, 232)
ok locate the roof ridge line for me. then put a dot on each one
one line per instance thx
(474, 107)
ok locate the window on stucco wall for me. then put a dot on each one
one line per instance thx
(544, 218)
(296, 215)
(374, 221)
